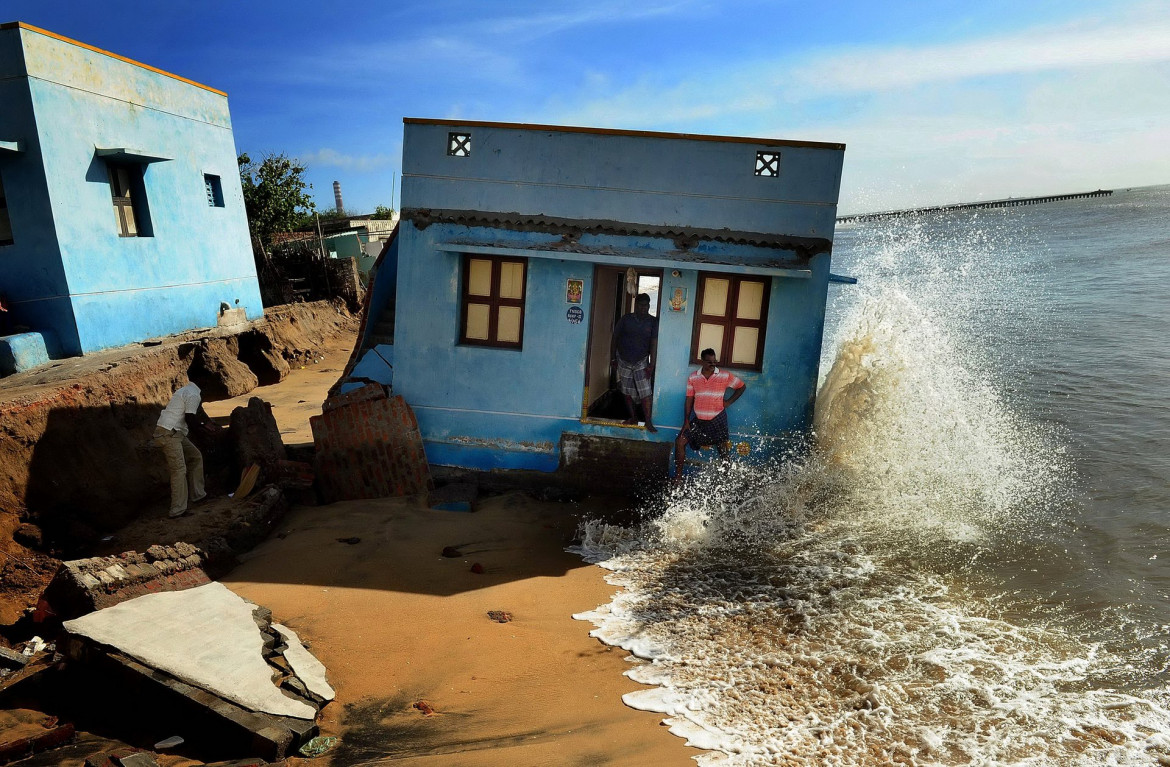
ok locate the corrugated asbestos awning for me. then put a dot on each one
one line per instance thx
(642, 256)
(126, 154)
(572, 229)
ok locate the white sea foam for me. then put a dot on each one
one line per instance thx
(826, 610)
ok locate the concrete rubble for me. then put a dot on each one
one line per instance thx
(216, 661)
(84, 585)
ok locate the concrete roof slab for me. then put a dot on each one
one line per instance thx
(204, 636)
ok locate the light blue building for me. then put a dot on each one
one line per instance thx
(521, 245)
(121, 213)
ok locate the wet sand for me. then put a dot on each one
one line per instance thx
(396, 623)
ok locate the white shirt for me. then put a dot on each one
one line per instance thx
(185, 400)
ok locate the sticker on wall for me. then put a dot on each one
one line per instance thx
(574, 289)
(678, 299)
(574, 315)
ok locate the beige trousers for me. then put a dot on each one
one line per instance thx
(186, 465)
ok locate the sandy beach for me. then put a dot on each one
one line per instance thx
(396, 623)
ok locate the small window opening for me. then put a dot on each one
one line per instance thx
(214, 190)
(459, 144)
(128, 192)
(768, 164)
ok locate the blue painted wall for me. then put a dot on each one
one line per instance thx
(123, 289)
(31, 273)
(485, 407)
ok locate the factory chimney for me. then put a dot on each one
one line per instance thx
(337, 196)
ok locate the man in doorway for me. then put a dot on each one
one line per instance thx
(183, 459)
(707, 403)
(634, 338)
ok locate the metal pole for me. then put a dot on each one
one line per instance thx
(324, 258)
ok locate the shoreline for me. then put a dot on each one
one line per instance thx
(396, 624)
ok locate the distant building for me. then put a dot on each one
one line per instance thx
(521, 245)
(121, 213)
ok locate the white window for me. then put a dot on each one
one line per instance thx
(731, 319)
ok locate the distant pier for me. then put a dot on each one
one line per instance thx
(1011, 202)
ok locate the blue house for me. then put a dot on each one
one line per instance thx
(121, 213)
(521, 245)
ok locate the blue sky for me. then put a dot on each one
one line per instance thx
(937, 101)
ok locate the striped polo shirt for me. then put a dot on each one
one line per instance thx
(708, 392)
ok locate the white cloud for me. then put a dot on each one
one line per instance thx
(334, 159)
(542, 23)
(1046, 110)
(1037, 51)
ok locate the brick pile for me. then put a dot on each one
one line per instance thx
(84, 585)
(368, 445)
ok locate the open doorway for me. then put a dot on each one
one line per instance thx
(614, 291)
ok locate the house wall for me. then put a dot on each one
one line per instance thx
(125, 289)
(691, 183)
(31, 273)
(487, 408)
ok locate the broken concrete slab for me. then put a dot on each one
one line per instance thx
(204, 636)
(213, 727)
(308, 669)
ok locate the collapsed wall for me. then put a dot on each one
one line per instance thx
(76, 458)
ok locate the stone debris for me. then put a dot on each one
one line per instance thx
(114, 758)
(12, 660)
(477, 568)
(500, 616)
(306, 669)
(84, 585)
(451, 552)
(424, 707)
(54, 737)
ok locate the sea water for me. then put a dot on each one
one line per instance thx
(970, 563)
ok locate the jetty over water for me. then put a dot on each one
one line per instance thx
(1010, 202)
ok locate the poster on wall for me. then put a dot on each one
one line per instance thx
(678, 299)
(574, 288)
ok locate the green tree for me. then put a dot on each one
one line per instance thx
(275, 195)
(383, 213)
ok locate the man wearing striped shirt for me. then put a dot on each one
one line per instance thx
(707, 402)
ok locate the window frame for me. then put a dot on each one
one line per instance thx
(728, 321)
(213, 188)
(134, 199)
(494, 301)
